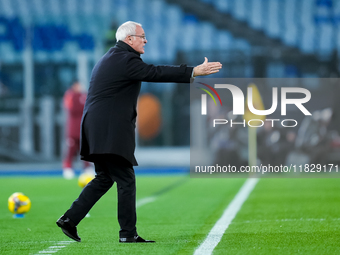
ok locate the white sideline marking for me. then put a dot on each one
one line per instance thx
(55, 248)
(144, 201)
(216, 233)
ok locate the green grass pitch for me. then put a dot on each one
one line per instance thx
(281, 216)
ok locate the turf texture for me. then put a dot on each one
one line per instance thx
(281, 216)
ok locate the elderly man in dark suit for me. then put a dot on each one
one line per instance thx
(108, 126)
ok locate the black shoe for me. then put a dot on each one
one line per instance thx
(135, 239)
(68, 227)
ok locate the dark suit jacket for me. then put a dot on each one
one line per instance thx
(109, 117)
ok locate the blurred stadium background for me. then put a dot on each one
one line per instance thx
(46, 44)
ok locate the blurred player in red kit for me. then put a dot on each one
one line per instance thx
(74, 101)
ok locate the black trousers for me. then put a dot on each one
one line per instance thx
(110, 169)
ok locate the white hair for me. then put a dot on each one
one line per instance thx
(127, 28)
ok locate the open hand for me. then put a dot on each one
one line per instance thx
(207, 68)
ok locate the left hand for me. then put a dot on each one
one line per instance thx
(207, 68)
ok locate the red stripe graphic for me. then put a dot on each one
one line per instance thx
(212, 90)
